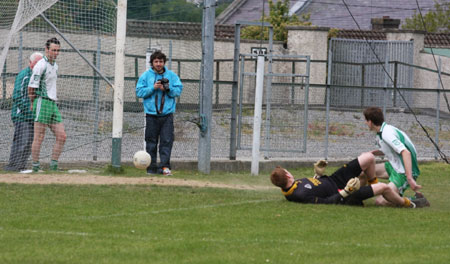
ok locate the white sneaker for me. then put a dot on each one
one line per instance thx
(166, 171)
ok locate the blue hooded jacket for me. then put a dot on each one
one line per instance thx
(145, 90)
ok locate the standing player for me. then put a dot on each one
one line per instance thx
(402, 167)
(42, 93)
(342, 187)
(22, 118)
(159, 87)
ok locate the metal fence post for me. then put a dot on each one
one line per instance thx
(305, 126)
(386, 75)
(170, 55)
(179, 75)
(20, 56)
(204, 144)
(136, 75)
(394, 103)
(269, 93)
(217, 82)
(96, 95)
(327, 98)
(234, 92)
(363, 83)
(241, 95)
(293, 87)
(436, 154)
(4, 82)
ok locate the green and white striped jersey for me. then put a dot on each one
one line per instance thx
(392, 141)
(44, 79)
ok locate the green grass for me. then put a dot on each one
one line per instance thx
(157, 224)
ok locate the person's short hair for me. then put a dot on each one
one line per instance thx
(34, 55)
(374, 114)
(50, 41)
(158, 55)
(278, 177)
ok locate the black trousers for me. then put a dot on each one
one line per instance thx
(159, 132)
(21, 146)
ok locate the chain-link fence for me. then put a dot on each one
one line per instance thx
(347, 132)
(86, 104)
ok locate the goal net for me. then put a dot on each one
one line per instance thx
(83, 98)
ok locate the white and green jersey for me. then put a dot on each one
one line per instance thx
(44, 79)
(392, 141)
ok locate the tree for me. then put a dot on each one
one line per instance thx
(437, 20)
(279, 18)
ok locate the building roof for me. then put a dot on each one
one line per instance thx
(330, 13)
(363, 34)
(437, 40)
(431, 40)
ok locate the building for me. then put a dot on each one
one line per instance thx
(329, 13)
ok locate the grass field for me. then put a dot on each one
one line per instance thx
(171, 224)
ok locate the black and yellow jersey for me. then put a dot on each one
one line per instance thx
(310, 190)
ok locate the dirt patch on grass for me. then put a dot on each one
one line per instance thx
(81, 179)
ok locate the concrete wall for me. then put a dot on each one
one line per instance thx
(422, 78)
(430, 80)
(312, 42)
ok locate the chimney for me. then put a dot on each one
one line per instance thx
(384, 23)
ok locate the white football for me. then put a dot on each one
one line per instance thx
(141, 159)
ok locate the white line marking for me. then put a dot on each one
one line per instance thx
(177, 209)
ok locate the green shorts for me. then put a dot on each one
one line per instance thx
(399, 179)
(46, 111)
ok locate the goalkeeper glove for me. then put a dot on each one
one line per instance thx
(351, 187)
(319, 168)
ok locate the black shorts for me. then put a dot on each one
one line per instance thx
(359, 196)
(345, 173)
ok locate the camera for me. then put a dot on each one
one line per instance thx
(165, 84)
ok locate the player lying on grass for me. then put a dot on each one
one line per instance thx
(342, 187)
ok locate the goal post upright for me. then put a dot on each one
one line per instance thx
(119, 84)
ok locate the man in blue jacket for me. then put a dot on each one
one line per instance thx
(159, 87)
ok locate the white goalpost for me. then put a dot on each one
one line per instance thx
(119, 83)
